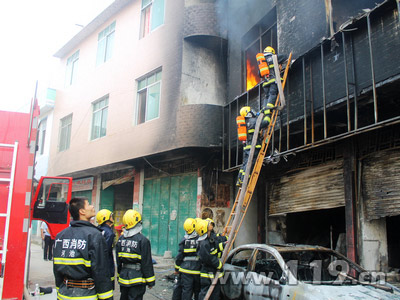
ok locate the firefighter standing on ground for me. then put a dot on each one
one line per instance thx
(188, 264)
(105, 220)
(247, 124)
(80, 257)
(134, 261)
(207, 251)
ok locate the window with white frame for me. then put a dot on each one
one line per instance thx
(99, 119)
(72, 69)
(148, 97)
(105, 44)
(42, 135)
(152, 16)
(65, 133)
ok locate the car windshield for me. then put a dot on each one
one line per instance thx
(323, 267)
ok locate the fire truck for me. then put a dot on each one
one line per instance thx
(21, 202)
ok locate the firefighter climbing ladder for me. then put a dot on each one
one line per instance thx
(245, 193)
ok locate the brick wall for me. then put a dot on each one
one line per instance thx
(194, 18)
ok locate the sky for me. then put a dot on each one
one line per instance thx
(32, 31)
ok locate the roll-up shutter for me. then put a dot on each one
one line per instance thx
(319, 187)
(381, 184)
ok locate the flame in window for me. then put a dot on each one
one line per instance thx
(252, 77)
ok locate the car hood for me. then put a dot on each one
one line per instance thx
(350, 292)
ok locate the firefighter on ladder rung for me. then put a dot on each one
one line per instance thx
(246, 126)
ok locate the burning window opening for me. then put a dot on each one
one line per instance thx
(252, 78)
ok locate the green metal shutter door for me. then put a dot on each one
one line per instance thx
(154, 217)
(164, 215)
(146, 211)
(161, 197)
(173, 234)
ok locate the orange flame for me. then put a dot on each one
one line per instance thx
(251, 75)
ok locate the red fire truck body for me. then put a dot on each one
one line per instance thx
(17, 154)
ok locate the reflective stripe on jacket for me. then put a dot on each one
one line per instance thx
(133, 250)
(80, 253)
(186, 260)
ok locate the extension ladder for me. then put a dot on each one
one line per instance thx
(245, 193)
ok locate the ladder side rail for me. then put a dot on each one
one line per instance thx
(9, 201)
(231, 214)
(278, 83)
(239, 205)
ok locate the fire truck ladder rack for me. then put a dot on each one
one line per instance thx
(10, 182)
(245, 193)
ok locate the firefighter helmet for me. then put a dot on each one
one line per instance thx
(189, 225)
(103, 216)
(245, 110)
(210, 221)
(269, 49)
(131, 218)
(202, 227)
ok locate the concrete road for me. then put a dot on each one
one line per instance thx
(41, 272)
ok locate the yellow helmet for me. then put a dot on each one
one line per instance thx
(202, 227)
(131, 218)
(103, 215)
(244, 110)
(269, 49)
(189, 225)
(210, 221)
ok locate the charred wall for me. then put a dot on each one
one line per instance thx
(199, 126)
(301, 25)
(348, 52)
(242, 17)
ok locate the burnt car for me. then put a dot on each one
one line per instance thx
(259, 271)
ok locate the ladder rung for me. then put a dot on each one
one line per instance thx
(3, 215)
(5, 179)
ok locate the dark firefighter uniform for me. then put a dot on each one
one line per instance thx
(109, 236)
(81, 263)
(188, 264)
(134, 265)
(251, 120)
(269, 84)
(221, 241)
(207, 251)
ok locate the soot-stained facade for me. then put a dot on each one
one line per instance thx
(330, 175)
